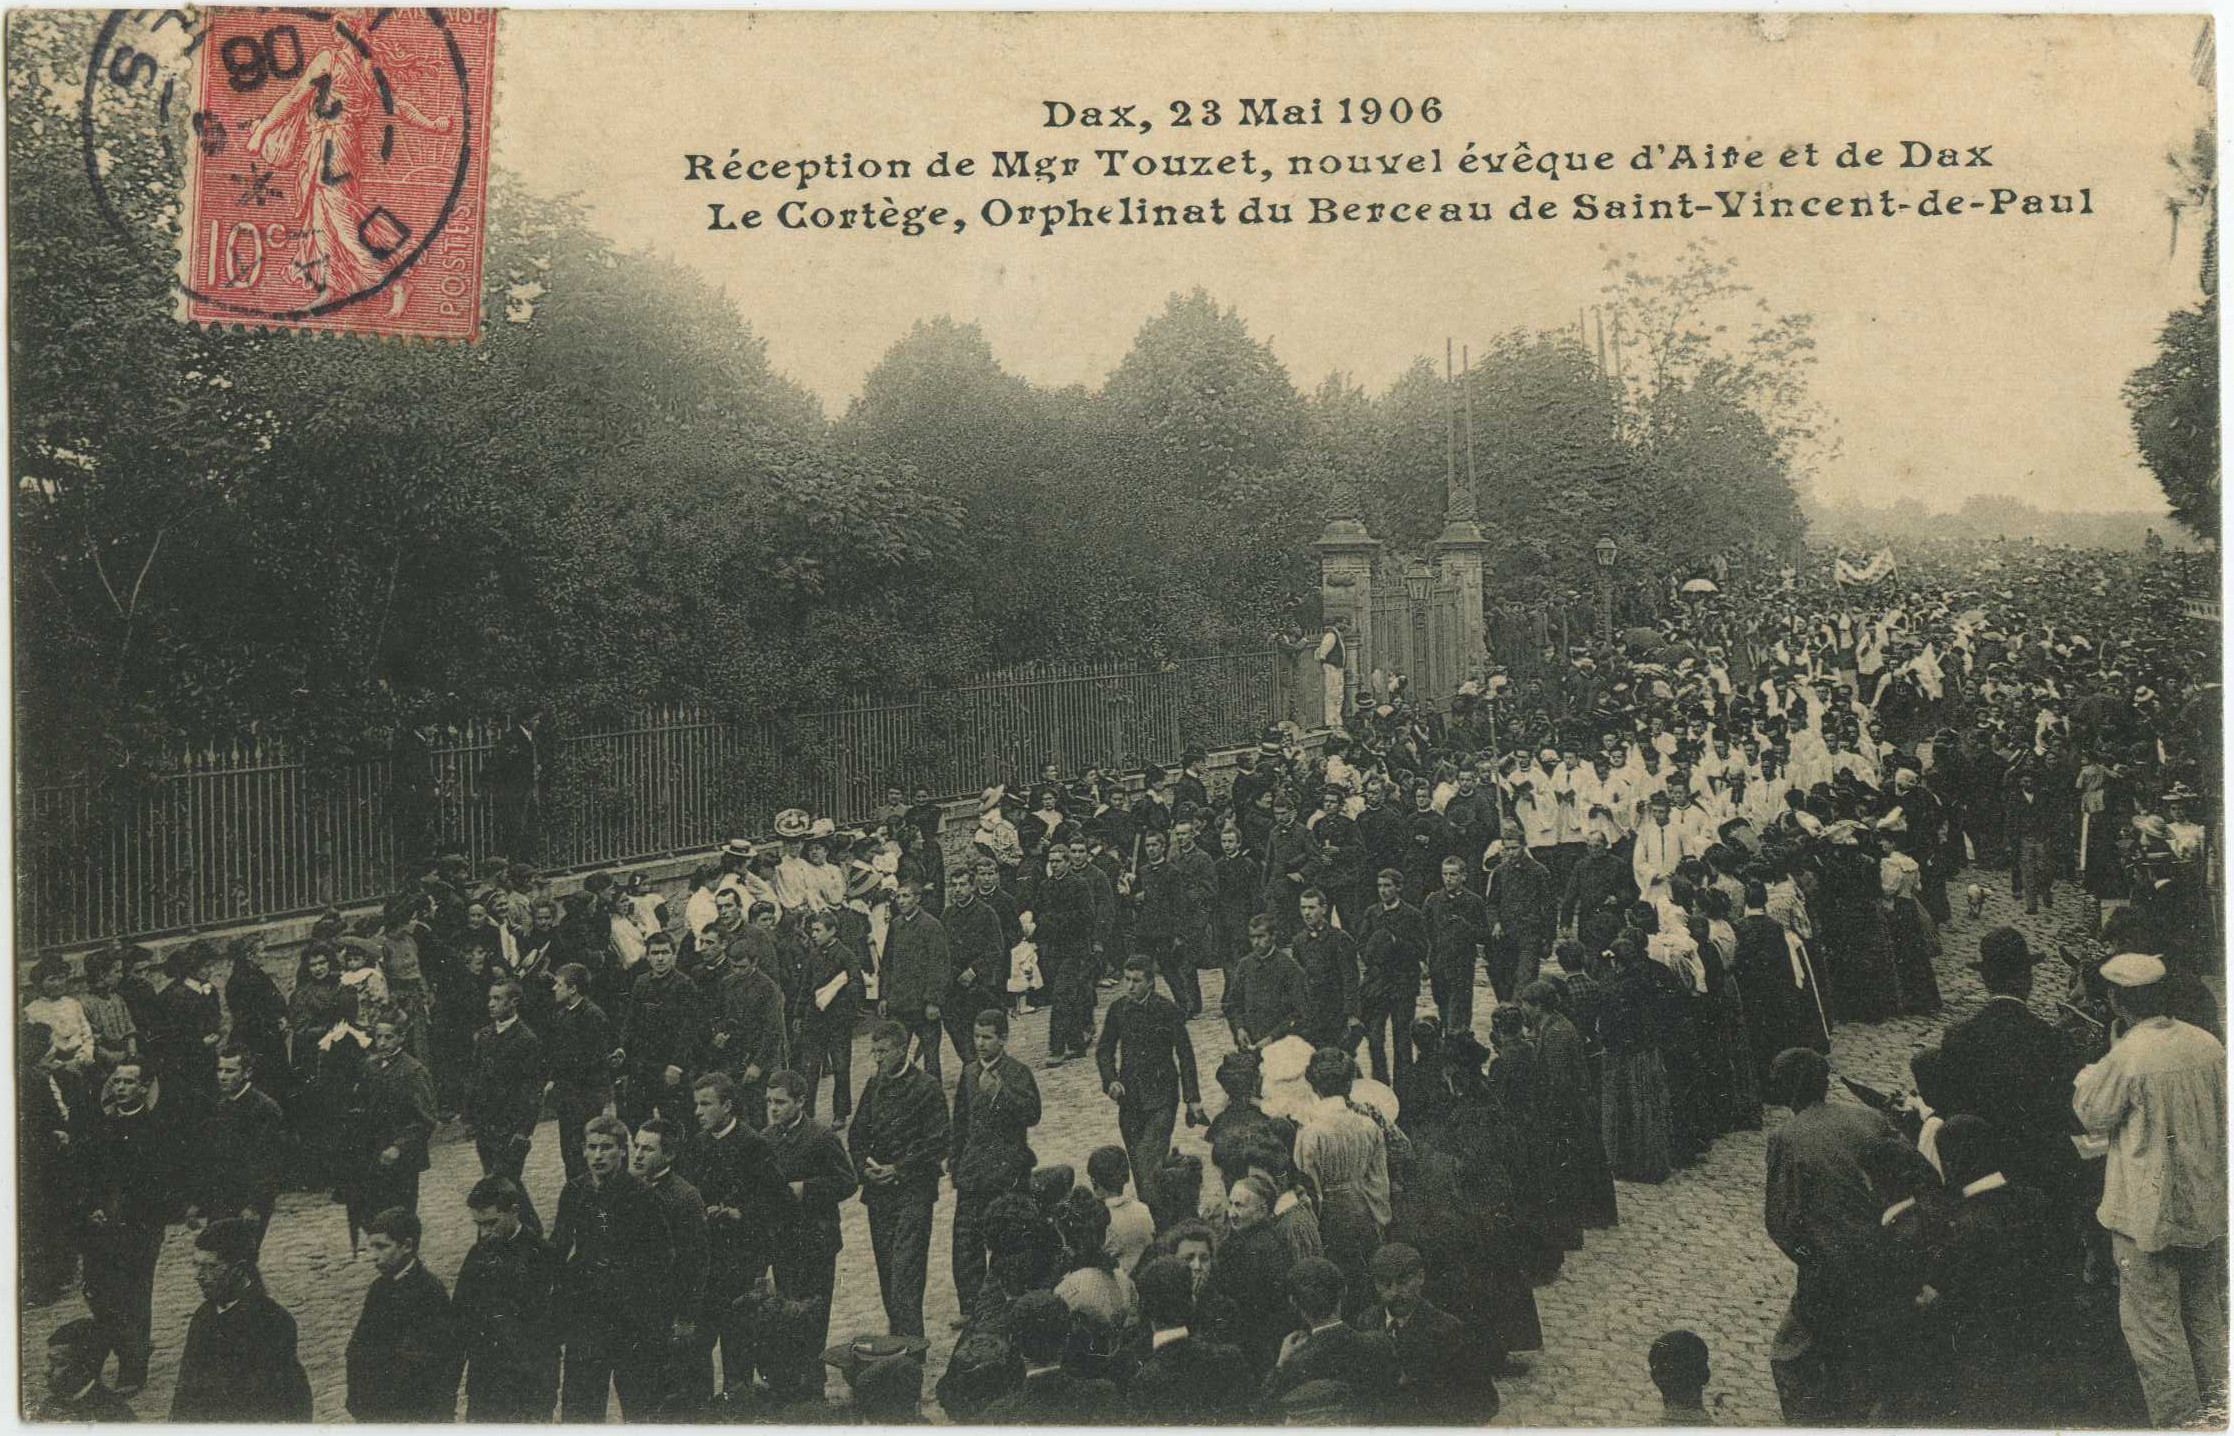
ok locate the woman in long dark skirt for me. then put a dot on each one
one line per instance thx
(1914, 942)
(1633, 1100)
(318, 1003)
(1457, 1211)
(1543, 1231)
(1864, 984)
(1726, 1049)
(1568, 1065)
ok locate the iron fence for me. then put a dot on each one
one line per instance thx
(241, 832)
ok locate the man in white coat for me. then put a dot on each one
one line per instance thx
(1536, 805)
(1662, 842)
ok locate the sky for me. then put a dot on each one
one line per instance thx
(1958, 356)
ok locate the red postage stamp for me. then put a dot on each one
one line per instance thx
(339, 170)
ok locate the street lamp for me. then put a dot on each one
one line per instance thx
(1606, 553)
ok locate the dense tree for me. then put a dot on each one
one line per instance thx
(616, 497)
(1191, 483)
(613, 497)
(1410, 476)
(2174, 399)
(2175, 405)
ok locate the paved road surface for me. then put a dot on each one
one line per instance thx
(1689, 1252)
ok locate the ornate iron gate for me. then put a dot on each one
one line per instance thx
(1419, 632)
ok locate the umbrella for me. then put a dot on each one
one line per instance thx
(1971, 616)
(1700, 585)
(1675, 653)
(1640, 637)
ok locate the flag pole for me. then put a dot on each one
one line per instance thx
(1450, 421)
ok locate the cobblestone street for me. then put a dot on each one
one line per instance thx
(1690, 1252)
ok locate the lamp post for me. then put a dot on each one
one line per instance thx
(1606, 553)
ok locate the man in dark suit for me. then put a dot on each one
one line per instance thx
(1065, 922)
(400, 1119)
(239, 1363)
(1290, 855)
(2014, 1069)
(996, 1105)
(131, 1193)
(819, 1176)
(673, 1294)
(578, 1052)
(1328, 1371)
(898, 1142)
(608, 1242)
(1443, 1367)
(1185, 1379)
(661, 1036)
(1197, 874)
(1339, 869)
(1147, 1067)
(1458, 930)
(1393, 941)
(978, 950)
(734, 1169)
(242, 1146)
(918, 965)
(403, 1359)
(1328, 957)
(1097, 865)
(504, 1096)
(1386, 831)
(1523, 911)
(502, 1307)
(1040, 1326)
(1190, 794)
(748, 1038)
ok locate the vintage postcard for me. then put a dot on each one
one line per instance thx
(1117, 719)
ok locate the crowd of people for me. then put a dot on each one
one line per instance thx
(1683, 860)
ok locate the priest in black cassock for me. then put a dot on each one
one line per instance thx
(239, 1363)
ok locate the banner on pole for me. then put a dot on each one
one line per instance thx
(1879, 567)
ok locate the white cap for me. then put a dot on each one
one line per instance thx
(2133, 969)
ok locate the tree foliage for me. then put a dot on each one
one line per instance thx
(612, 497)
(2175, 407)
(2174, 398)
(617, 497)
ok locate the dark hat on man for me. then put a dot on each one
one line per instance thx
(1153, 776)
(2004, 950)
(1192, 756)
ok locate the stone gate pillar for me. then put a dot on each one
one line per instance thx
(1459, 555)
(1346, 554)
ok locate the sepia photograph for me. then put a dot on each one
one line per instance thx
(1116, 718)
